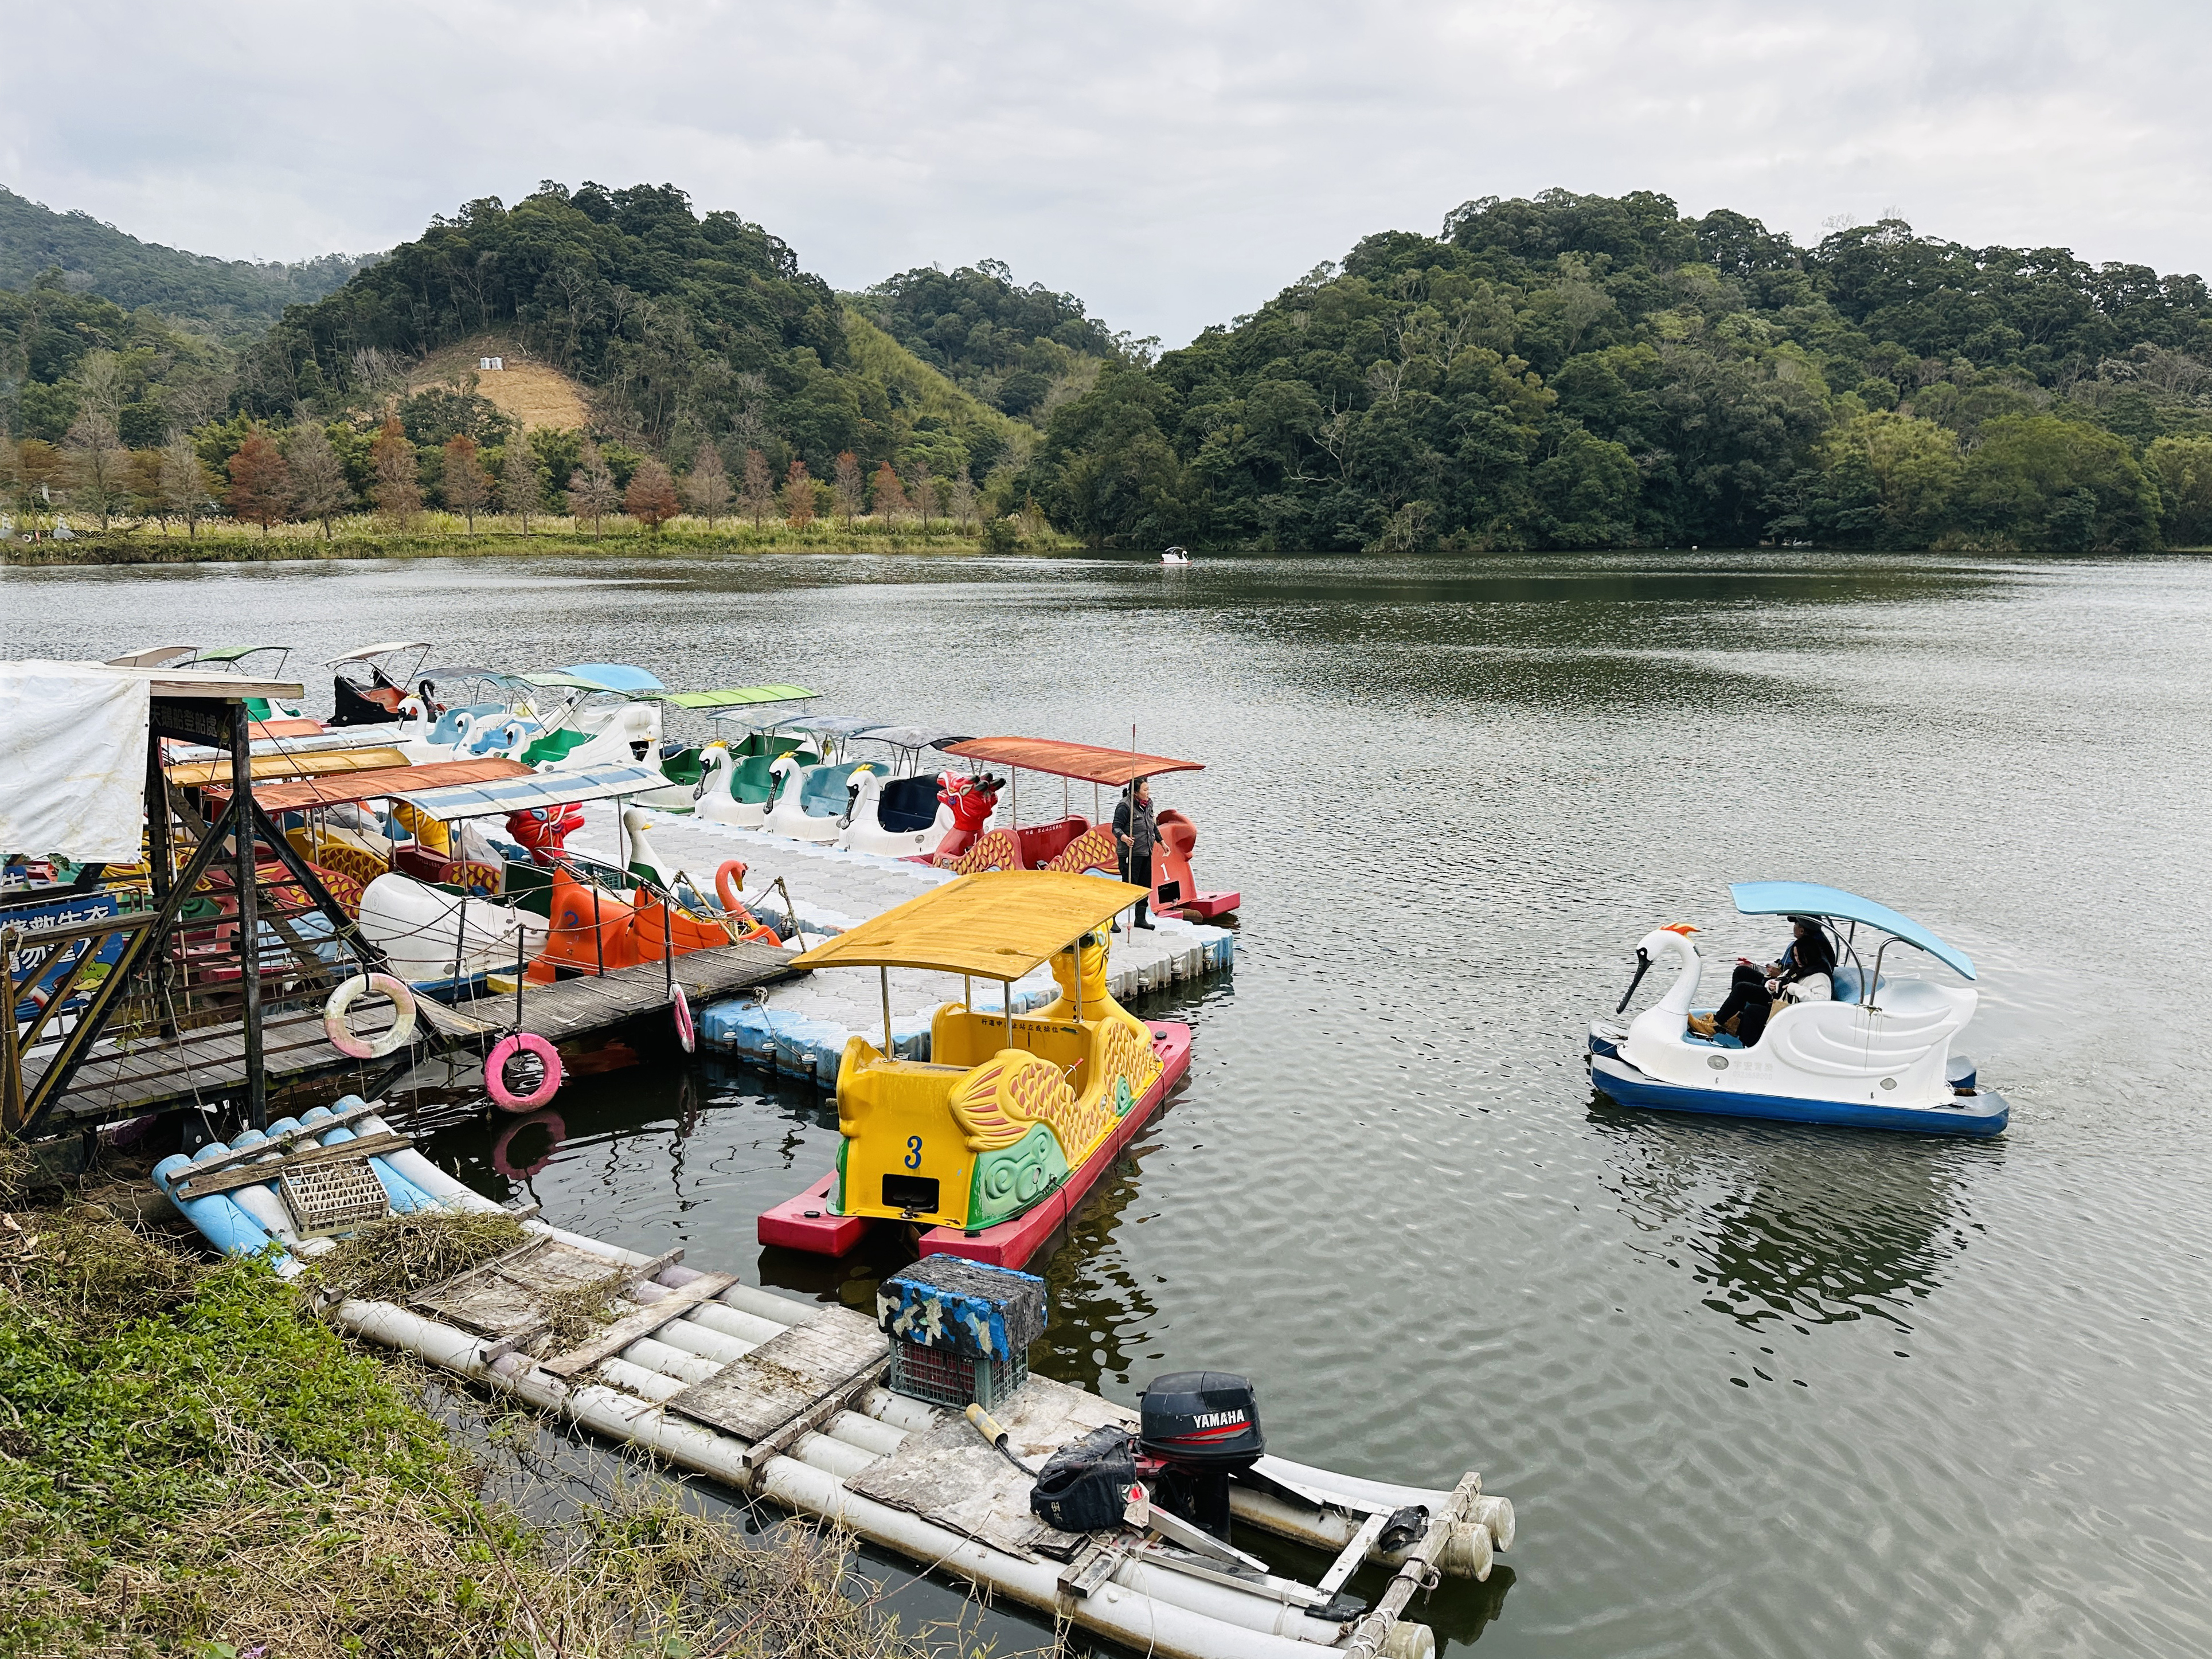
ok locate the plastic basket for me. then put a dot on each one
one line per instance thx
(945, 1378)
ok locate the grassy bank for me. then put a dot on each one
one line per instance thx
(437, 535)
(191, 1464)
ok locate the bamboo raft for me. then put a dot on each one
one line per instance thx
(786, 1400)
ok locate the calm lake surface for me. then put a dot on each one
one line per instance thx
(1753, 1390)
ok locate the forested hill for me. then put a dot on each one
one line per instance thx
(1024, 350)
(1579, 371)
(220, 297)
(687, 328)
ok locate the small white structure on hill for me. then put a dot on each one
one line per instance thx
(491, 362)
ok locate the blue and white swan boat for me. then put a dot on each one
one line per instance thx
(1866, 1060)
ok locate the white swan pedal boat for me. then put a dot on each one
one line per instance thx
(1877, 1060)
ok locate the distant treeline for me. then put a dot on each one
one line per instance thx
(1581, 371)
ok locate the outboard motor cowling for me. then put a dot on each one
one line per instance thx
(1195, 1430)
(1205, 1418)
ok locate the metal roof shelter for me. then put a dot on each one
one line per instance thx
(497, 797)
(377, 783)
(1084, 761)
(741, 697)
(997, 925)
(1806, 899)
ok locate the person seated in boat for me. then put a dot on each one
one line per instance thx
(1805, 972)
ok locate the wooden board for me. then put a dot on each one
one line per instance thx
(644, 1322)
(948, 1475)
(788, 1376)
(506, 1295)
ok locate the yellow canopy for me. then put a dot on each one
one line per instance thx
(997, 925)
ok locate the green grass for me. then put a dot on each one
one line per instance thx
(928, 389)
(442, 536)
(190, 1463)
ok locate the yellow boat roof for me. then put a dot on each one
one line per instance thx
(998, 925)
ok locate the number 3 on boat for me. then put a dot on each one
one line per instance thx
(992, 1140)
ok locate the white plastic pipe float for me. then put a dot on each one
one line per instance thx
(1148, 1622)
(262, 1202)
(220, 1221)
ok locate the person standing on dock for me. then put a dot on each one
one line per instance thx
(1135, 830)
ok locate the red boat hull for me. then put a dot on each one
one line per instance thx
(804, 1222)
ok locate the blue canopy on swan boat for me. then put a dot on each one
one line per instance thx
(1808, 898)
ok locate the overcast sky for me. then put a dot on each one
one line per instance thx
(1174, 164)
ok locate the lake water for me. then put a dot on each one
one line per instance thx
(1753, 1390)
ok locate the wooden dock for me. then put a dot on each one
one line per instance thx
(125, 1077)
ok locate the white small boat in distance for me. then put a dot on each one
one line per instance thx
(1866, 1059)
(1176, 556)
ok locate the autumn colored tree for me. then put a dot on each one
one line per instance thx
(650, 497)
(466, 487)
(399, 488)
(848, 487)
(40, 470)
(891, 504)
(797, 497)
(757, 496)
(706, 486)
(319, 489)
(592, 492)
(261, 483)
(186, 486)
(520, 491)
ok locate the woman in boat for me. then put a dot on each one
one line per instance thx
(1804, 973)
(1135, 831)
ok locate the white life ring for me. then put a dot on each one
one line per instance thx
(680, 1007)
(342, 1036)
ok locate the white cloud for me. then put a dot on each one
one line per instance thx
(1174, 164)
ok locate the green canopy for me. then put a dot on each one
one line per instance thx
(741, 697)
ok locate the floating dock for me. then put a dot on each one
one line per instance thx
(786, 1400)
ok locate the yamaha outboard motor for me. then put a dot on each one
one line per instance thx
(1195, 1430)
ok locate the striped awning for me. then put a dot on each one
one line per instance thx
(380, 783)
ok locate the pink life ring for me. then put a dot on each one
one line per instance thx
(502, 1158)
(729, 881)
(519, 1042)
(680, 1007)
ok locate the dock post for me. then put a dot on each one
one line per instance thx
(886, 974)
(249, 919)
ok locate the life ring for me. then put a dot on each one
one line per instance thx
(729, 882)
(342, 1036)
(680, 1007)
(520, 1042)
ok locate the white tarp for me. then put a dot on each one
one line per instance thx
(72, 761)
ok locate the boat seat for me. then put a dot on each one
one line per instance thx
(822, 795)
(908, 804)
(555, 745)
(751, 780)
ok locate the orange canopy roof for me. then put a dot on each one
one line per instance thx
(376, 784)
(1071, 760)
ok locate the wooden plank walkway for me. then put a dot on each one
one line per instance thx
(205, 1066)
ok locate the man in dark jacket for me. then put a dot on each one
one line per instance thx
(1135, 830)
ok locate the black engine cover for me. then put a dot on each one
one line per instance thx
(1205, 1418)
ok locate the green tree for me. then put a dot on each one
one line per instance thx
(1892, 480)
(2183, 469)
(2064, 486)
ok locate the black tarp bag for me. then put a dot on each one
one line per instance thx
(1085, 1487)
